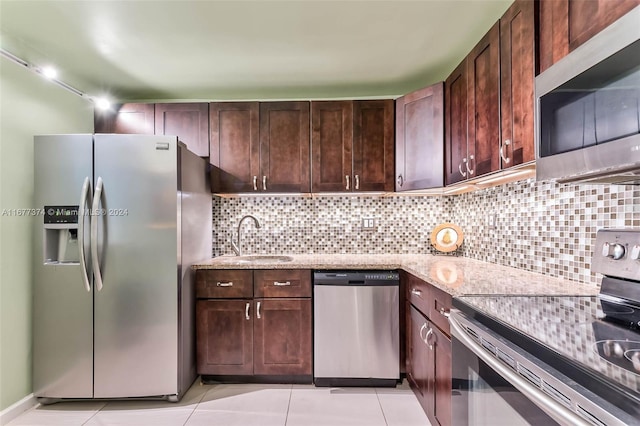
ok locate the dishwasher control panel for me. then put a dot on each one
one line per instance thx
(367, 278)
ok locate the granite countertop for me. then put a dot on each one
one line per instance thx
(458, 276)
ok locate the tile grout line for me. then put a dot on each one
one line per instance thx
(197, 405)
(286, 419)
(95, 414)
(381, 409)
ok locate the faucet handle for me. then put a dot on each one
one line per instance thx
(235, 247)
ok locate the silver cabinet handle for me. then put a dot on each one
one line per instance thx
(282, 283)
(444, 313)
(463, 173)
(469, 162)
(255, 183)
(347, 177)
(84, 195)
(258, 311)
(357, 182)
(426, 338)
(400, 181)
(246, 311)
(264, 183)
(416, 292)
(505, 159)
(424, 326)
(95, 217)
(227, 284)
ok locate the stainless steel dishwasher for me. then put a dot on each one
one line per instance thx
(356, 328)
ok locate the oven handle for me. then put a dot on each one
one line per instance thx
(556, 411)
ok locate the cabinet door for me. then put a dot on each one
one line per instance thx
(373, 161)
(331, 145)
(456, 109)
(419, 139)
(566, 24)
(188, 121)
(284, 147)
(517, 74)
(483, 87)
(234, 146)
(420, 370)
(282, 330)
(224, 337)
(441, 354)
(126, 119)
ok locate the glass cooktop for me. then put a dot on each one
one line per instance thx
(571, 334)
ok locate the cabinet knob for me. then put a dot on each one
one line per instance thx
(278, 283)
(255, 183)
(226, 284)
(400, 181)
(471, 171)
(427, 338)
(347, 177)
(264, 183)
(246, 311)
(258, 311)
(424, 326)
(416, 292)
(357, 179)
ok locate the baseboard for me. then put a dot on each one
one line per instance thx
(17, 408)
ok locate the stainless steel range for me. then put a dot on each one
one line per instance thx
(554, 359)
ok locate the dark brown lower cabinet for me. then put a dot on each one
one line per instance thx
(429, 366)
(244, 337)
(282, 337)
(224, 337)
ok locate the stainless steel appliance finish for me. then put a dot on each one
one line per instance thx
(118, 322)
(237, 247)
(588, 110)
(515, 386)
(356, 328)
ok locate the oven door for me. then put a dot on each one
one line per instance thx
(494, 382)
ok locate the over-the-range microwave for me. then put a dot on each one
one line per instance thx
(588, 109)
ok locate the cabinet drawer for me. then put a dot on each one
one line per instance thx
(224, 284)
(418, 293)
(282, 283)
(440, 307)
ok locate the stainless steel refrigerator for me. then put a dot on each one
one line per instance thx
(122, 219)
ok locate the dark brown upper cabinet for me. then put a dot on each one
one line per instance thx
(373, 141)
(126, 119)
(517, 75)
(352, 146)
(284, 147)
(332, 146)
(456, 113)
(566, 24)
(483, 95)
(234, 146)
(419, 139)
(490, 100)
(188, 121)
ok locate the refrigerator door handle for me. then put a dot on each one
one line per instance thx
(86, 188)
(95, 216)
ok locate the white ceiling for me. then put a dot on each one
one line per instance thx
(224, 50)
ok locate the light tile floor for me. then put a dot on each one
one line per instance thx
(246, 405)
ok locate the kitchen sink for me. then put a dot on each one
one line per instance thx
(263, 258)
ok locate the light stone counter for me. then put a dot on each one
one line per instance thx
(458, 276)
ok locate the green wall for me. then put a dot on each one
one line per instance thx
(29, 105)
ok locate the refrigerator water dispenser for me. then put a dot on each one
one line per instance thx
(61, 235)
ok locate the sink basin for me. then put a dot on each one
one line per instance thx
(254, 258)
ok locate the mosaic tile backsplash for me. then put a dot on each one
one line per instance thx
(539, 226)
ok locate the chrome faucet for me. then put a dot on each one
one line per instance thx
(237, 247)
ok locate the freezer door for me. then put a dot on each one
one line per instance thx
(136, 338)
(62, 306)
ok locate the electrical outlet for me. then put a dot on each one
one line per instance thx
(368, 224)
